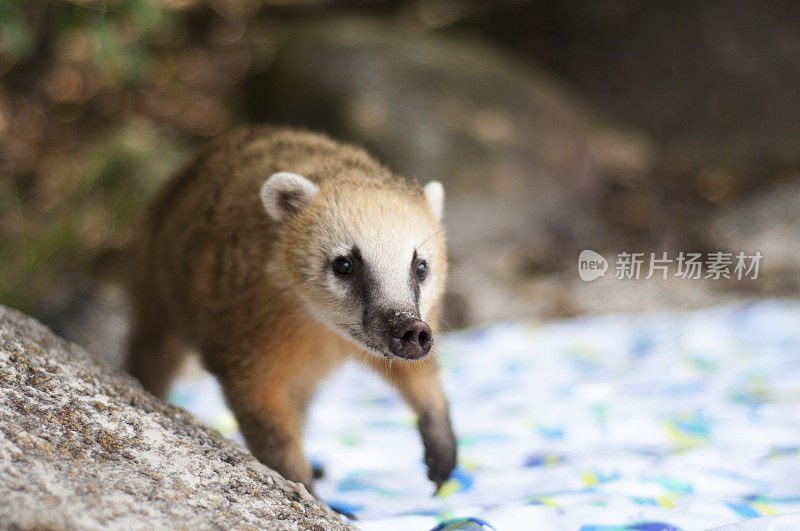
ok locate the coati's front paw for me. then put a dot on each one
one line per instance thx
(441, 460)
(440, 446)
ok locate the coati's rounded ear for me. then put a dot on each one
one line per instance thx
(285, 193)
(434, 193)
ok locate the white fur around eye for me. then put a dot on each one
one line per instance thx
(336, 287)
(340, 250)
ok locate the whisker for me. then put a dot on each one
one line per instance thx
(435, 233)
(445, 324)
(455, 288)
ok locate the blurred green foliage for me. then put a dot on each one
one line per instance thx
(17, 38)
(99, 101)
(98, 201)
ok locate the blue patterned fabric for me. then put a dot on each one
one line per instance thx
(632, 422)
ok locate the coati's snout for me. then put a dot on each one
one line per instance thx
(411, 339)
(396, 333)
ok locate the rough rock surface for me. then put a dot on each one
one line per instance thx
(82, 446)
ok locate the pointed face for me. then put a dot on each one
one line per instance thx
(369, 261)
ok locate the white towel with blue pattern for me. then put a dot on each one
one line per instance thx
(648, 422)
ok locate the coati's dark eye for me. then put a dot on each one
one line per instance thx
(422, 270)
(342, 266)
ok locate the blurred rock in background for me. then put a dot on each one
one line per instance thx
(712, 83)
(766, 222)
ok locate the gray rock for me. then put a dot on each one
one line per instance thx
(769, 223)
(96, 318)
(706, 80)
(83, 446)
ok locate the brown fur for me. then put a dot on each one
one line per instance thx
(215, 273)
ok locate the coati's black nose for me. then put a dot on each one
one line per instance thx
(411, 340)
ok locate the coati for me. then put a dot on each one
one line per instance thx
(278, 253)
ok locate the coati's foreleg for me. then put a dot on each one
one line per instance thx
(269, 400)
(421, 388)
(271, 425)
